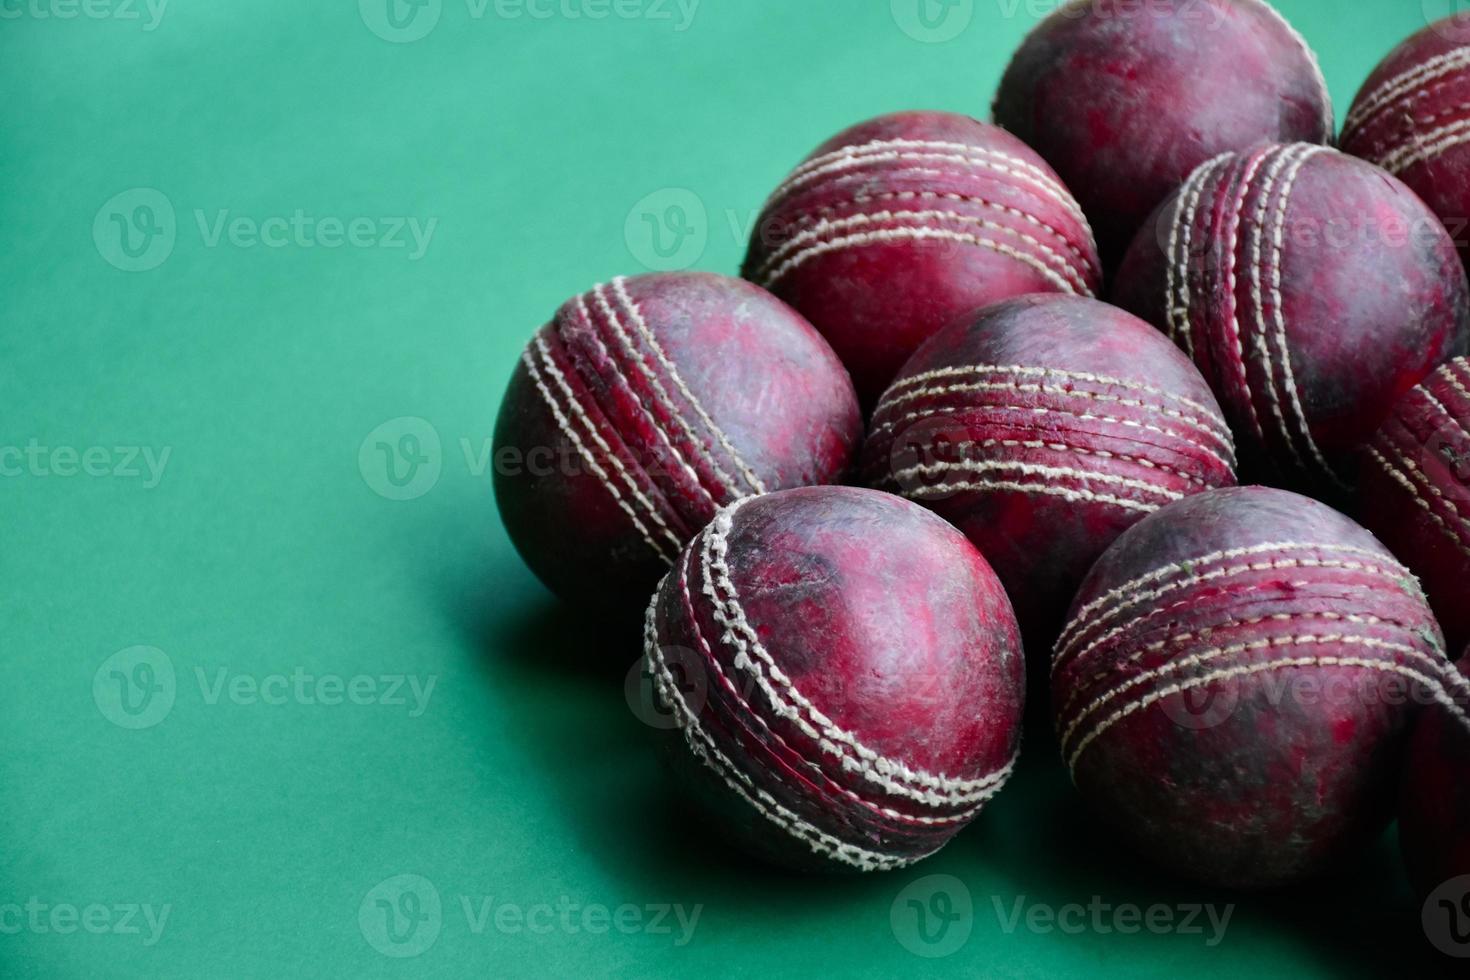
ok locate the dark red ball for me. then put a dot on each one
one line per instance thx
(1434, 813)
(1234, 690)
(896, 226)
(1412, 118)
(1415, 491)
(643, 407)
(1043, 427)
(846, 674)
(1313, 290)
(1125, 98)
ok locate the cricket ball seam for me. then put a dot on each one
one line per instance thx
(1426, 146)
(1062, 447)
(847, 159)
(567, 429)
(1122, 597)
(1088, 266)
(1204, 632)
(1181, 246)
(981, 467)
(916, 233)
(814, 766)
(618, 377)
(1300, 155)
(1407, 475)
(620, 287)
(1233, 328)
(1404, 85)
(703, 747)
(895, 391)
(1218, 653)
(1059, 271)
(1247, 670)
(935, 789)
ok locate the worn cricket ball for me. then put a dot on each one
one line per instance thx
(1234, 689)
(1125, 99)
(1043, 427)
(1412, 118)
(896, 226)
(846, 674)
(1434, 811)
(643, 407)
(1313, 290)
(1415, 491)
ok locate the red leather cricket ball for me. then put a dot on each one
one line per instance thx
(1235, 688)
(646, 405)
(846, 675)
(1434, 811)
(1313, 290)
(894, 227)
(1125, 99)
(1412, 118)
(1415, 491)
(1043, 427)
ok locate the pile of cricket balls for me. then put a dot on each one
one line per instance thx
(911, 443)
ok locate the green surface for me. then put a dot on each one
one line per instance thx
(291, 601)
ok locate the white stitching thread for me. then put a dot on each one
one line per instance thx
(1083, 618)
(1403, 85)
(704, 748)
(1159, 695)
(1085, 263)
(1221, 652)
(1062, 447)
(751, 656)
(620, 288)
(1232, 263)
(1181, 245)
(917, 233)
(918, 218)
(643, 406)
(1426, 146)
(981, 467)
(571, 433)
(1034, 489)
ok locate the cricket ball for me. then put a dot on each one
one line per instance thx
(1415, 491)
(1043, 427)
(1412, 118)
(1434, 812)
(846, 676)
(1234, 689)
(896, 226)
(1313, 290)
(1125, 99)
(643, 407)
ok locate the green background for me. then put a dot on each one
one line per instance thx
(268, 546)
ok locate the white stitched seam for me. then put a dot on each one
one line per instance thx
(1232, 264)
(1402, 85)
(1062, 447)
(1181, 244)
(1426, 146)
